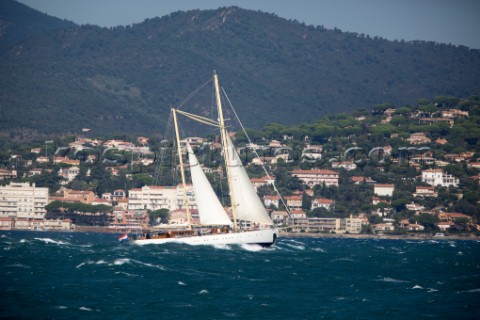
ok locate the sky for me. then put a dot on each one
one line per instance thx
(446, 21)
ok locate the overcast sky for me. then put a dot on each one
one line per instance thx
(446, 21)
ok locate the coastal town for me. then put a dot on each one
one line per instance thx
(116, 185)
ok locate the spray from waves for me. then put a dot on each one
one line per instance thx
(48, 240)
(392, 280)
(119, 262)
(253, 247)
(222, 246)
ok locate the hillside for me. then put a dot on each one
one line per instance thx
(19, 22)
(125, 79)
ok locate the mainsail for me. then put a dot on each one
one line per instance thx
(210, 209)
(248, 205)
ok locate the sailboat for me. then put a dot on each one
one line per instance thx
(250, 222)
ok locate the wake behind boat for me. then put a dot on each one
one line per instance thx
(249, 222)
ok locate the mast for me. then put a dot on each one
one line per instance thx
(223, 133)
(182, 171)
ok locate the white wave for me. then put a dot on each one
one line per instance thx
(459, 253)
(180, 283)
(84, 263)
(23, 241)
(252, 247)
(119, 262)
(417, 287)
(452, 244)
(101, 262)
(48, 240)
(319, 250)
(393, 280)
(473, 291)
(3, 236)
(432, 290)
(85, 309)
(204, 291)
(19, 265)
(127, 274)
(297, 247)
(222, 246)
(149, 265)
(61, 307)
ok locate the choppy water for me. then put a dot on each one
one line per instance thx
(47, 275)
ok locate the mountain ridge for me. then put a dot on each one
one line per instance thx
(126, 78)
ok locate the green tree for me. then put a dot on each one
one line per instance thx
(158, 216)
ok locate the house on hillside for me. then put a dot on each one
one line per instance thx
(316, 177)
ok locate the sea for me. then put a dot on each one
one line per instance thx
(52, 275)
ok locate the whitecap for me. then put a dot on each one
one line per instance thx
(417, 287)
(61, 307)
(319, 250)
(432, 290)
(180, 283)
(222, 246)
(48, 240)
(23, 241)
(473, 291)
(100, 262)
(393, 280)
(149, 265)
(204, 291)
(459, 253)
(84, 309)
(298, 247)
(127, 274)
(119, 262)
(252, 247)
(84, 263)
(19, 265)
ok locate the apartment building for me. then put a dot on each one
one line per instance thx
(22, 200)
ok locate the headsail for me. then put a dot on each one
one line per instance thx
(210, 209)
(248, 205)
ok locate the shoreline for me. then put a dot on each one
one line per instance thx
(419, 236)
(283, 234)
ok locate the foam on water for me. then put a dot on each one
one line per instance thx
(388, 279)
(253, 247)
(48, 240)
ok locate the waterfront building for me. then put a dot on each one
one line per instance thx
(160, 197)
(22, 200)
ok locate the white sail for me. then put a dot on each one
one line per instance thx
(249, 207)
(210, 209)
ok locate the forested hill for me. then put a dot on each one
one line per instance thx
(125, 79)
(19, 22)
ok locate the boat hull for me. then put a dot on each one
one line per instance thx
(261, 237)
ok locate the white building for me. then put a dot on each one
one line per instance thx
(437, 177)
(321, 203)
(385, 190)
(160, 197)
(314, 177)
(69, 173)
(22, 200)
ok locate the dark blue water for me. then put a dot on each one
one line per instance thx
(47, 275)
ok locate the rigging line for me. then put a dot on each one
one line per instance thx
(192, 94)
(198, 118)
(256, 154)
(163, 151)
